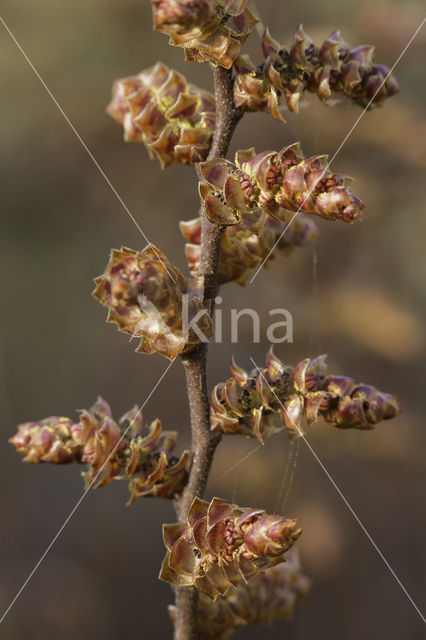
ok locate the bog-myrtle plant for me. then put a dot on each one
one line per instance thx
(228, 565)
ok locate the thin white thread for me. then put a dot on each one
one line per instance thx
(80, 139)
(313, 338)
(290, 483)
(237, 464)
(48, 548)
(338, 150)
(234, 486)
(285, 477)
(245, 457)
(301, 434)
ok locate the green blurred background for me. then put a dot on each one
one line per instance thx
(358, 295)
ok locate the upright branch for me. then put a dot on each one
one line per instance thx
(227, 118)
(233, 556)
(204, 441)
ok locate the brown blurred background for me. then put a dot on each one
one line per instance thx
(363, 304)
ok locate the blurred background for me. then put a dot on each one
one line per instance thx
(359, 295)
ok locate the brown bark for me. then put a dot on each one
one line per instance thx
(204, 442)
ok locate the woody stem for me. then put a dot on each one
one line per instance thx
(204, 442)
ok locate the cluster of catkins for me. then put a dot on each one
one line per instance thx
(240, 559)
(246, 245)
(270, 595)
(275, 182)
(149, 298)
(247, 403)
(332, 68)
(174, 119)
(110, 451)
(222, 545)
(209, 30)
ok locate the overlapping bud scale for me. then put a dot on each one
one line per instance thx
(174, 119)
(222, 545)
(110, 451)
(248, 403)
(242, 249)
(52, 439)
(330, 70)
(148, 298)
(275, 182)
(271, 595)
(209, 30)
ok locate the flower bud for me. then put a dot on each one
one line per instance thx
(175, 120)
(216, 620)
(273, 594)
(158, 472)
(361, 406)
(182, 15)
(111, 452)
(148, 298)
(145, 458)
(275, 182)
(48, 440)
(209, 30)
(222, 545)
(242, 250)
(265, 536)
(329, 71)
(247, 404)
(253, 91)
